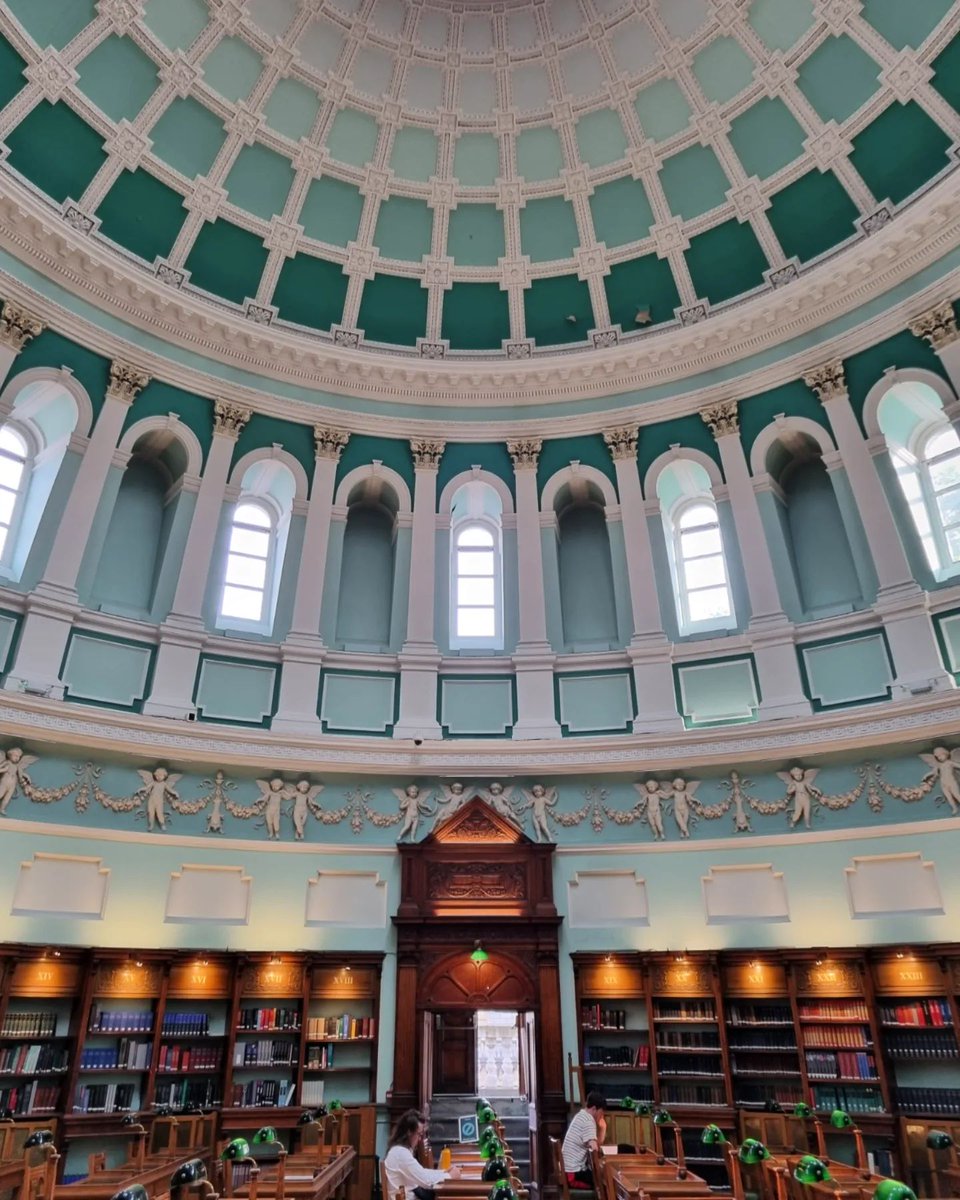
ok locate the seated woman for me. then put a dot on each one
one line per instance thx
(401, 1166)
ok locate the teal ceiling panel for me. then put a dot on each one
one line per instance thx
(11, 72)
(259, 181)
(53, 22)
(549, 305)
(353, 137)
(393, 309)
(905, 24)
(780, 23)
(539, 154)
(548, 229)
(311, 291)
(921, 151)
(693, 182)
(292, 109)
(726, 261)
(404, 228)
(56, 150)
(476, 159)
(838, 78)
(723, 69)
(227, 261)
(600, 137)
(663, 109)
(188, 137)
(946, 77)
(621, 211)
(414, 153)
(331, 211)
(476, 316)
(177, 23)
(475, 236)
(118, 77)
(232, 68)
(142, 214)
(641, 285)
(766, 137)
(812, 215)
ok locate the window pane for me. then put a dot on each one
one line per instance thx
(704, 572)
(910, 482)
(945, 473)
(251, 514)
(697, 514)
(476, 622)
(953, 544)
(3, 537)
(241, 603)
(708, 605)
(475, 535)
(11, 473)
(919, 513)
(7, 501)
(949, 506)
(705, 541)
(251, 572)
(475, 562)
(475, 591)
(941, 442)
(12, 442)
(250, 541)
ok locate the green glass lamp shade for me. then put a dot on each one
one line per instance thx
(840, 1119)
(336, 1106)
(641, 1108)
(136, 1191)
(483, 1102)
(893, 1189)
(191, 1171)
(628, 1103)
(752, 1152)
(486, 1115)
(265, 1135)
(495, 1169)
(307, 1117)
(479, 955)
(502, 1191)
(39, 1137)
(712, 1136)
(492, 1149)
(662, 1117)
(938, 1140)
(802, 1110)
(487, 1132)
(811, 1170)
(238, 1148)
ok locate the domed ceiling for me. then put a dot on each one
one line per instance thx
(478, 178)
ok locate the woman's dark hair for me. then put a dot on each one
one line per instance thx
(408, 1125)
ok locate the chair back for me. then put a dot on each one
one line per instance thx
(556, 1158)
(399, 1194)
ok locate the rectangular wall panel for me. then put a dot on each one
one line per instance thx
(106, 671)
(351, 702)
(476, 707)
(599, 703)
(348, 899)
(607, 899)
(61, 885)
(849, 671)
(220, 895)
(239, 692)
(713, 692)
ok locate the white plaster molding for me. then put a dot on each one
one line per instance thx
(779, 426)
(499, 486)
(59, 377)
(61, 885)
(374, 470)
(871, 405)
(667, 458)
(883, 885)
(745, 893)
(178, 429)
(272, 454)
(205, 893)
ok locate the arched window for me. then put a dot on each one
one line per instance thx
(477, 616)
(14, 479)
(936, 510)
(250, 554)
(703, 586)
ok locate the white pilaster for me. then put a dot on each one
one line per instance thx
(420, 658)
(17, 327)
(182, 634)
(303, 650)
(533, 658)
(771, 634)
(938, 328)
(900, 603)
(650, 652)
(53, 605)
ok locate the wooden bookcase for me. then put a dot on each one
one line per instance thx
(765, 1059)
(614, 1023)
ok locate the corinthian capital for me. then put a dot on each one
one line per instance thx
(17, 327)
(722, 418)
(427, 455)
(622, 442)
(525, 454)
(330, 442)
(229, 419)
(827, 381)
(126, 382)
(937, 326)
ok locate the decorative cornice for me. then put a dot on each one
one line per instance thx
(126, 382)
(525, 454)
(622, 442)
(937, 326)
(329, 442)
(828, 381)
(427, 455)
(17, 327)
(229, 419)
(722, 418)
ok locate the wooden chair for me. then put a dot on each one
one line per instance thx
(781, 1133)
(556, 1157)
(859, 1150)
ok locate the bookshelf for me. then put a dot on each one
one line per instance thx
(341, 1034)
(614, 1027)
(765, 1062)
(689, 1045)
(266, 1034)
(194, 1035)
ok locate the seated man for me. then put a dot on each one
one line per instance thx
(587, 1131)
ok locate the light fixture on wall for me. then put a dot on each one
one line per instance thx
(275, 960)
(479, 955)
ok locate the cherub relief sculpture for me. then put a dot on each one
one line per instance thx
(651, 795)
(539, 801)
(273, 792)
(682, 791)
(303, 794)
(944, 764)
(498, 797)
(413, 806)
(13, 774)
(454, 798)
(159, 787)
(799, 781)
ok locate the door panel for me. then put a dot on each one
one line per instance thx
(454, 1053)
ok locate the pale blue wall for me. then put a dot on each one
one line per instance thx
(826, 573)
(776, 528)
(126, 572)
(587, 600)
(856, 535)
(366, 580)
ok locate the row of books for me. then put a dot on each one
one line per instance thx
(933, 1011)
(126, 1055)
(270, 1018)
(104, 1098)
(854, 1099)
(28, 1098)
(743, 1013)
(683, 1039)
(694, 1065)
(834, 1010)
(708, 1094)
(763, 1039)
(844, 1064)
(311, 1093)
(262, 1093)
(921, 1044)
(758, 1093)
(618, 1056)
(319, 1058)
(684, 1010)
(592, 1016)
(768, 1064)
(29, 1024)
(188, 1093)
(941, 1101)
(37, 1058)
(264, 1053)
(188, 1058)
(185, 1024)
(853, 1036)
(111, 1020)
(341, 1028)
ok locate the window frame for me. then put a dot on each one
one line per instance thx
(264, 623)
(682, 592)
(946, 565)
(457, 529)
(8, 549)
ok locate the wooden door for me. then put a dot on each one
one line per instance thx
(454, 1053)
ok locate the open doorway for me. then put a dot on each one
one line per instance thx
(498, 1053)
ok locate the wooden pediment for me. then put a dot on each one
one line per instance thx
(476, 823)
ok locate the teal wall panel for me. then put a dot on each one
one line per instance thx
(352, 702)
(103, 670)
(853, 670)
(717, 691)
(235, 691)
(600, 702)
(477, 706)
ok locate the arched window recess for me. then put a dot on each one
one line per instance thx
(251, 564)
(703, 585)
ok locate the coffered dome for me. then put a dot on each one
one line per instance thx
(478, 178)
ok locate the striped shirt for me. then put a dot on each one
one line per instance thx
(582, 1131)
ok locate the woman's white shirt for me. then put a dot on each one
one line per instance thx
(403, 1171)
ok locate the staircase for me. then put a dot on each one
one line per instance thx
(514, 1112)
